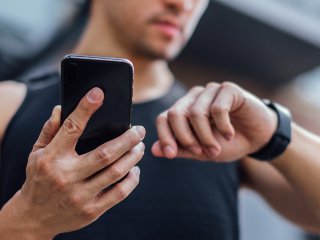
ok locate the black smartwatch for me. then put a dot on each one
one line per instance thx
(280, 139)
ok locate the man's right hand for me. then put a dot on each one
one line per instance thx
(65, 191)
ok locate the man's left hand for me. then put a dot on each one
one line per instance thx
(219, 122)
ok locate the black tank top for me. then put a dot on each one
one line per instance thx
(176, 199)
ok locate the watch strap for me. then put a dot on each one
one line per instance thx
(282, 136)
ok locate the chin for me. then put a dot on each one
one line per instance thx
(164, 52)
(166, 56)
(171, 51)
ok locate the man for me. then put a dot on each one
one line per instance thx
(176, 199)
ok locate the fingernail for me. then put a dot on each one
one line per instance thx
(54, 114)
(95, 95)
(196, 150)
(168, 152)
(136, 170)
(141, 131)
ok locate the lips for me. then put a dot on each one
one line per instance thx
(168, 27)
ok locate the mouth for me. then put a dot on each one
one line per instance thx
(168, 27)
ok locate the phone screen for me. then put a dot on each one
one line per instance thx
(79, 74)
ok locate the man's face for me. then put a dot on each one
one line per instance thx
(156, 29)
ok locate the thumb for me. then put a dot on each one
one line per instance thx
(49, 130)
(156, 149)
(158, 152)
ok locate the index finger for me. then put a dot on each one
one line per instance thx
(175, 129)
(74, 125)
(109, 152)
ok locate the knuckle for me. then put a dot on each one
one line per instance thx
(58, 183)
(122, 192)
(116, 172)
(47, 154)
(228, 84)
(173, 113)
(196, 89)
(218, 110)
(242, 95)
(42, 165)
(89, 213)
(86, 108)
(195, 113)
(161, 118)
(213, 85)
(75, 201)
(71, 127)
(104, 155)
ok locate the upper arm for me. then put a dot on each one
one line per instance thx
(11, 96)
(263, 178)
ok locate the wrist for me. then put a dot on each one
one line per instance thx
(273, 124)
(17, 222)
(281, 137)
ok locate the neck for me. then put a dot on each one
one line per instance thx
(153, 78)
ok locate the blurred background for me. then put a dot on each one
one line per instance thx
(271, 47)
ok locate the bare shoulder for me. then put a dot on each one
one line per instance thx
(12, 95)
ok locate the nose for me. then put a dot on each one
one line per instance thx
(180, 5)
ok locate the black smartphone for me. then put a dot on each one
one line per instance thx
(79, 74)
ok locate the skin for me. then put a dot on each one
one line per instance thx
(13, 93)
(221, 122)
(125, 29)
(64, 191)
(215, 122)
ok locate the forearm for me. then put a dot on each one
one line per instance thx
(14, 223)
(300, 165)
